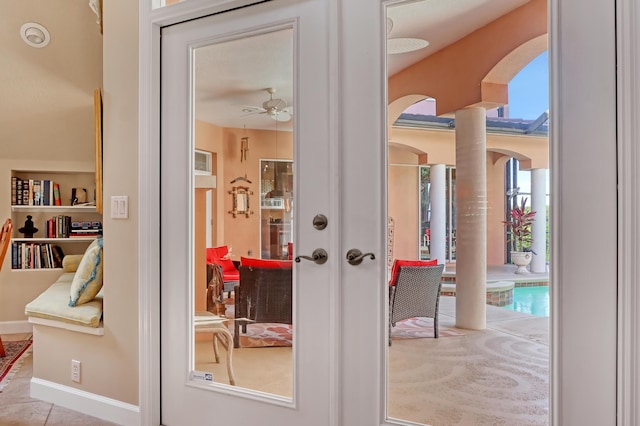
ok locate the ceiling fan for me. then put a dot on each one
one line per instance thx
(277, 109)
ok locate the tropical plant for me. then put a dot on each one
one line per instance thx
(519, 225)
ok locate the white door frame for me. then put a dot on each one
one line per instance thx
(628, 89)
(580, 404)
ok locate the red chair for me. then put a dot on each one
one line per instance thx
(230, 274)
(5, 240)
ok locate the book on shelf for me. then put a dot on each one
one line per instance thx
(46, 193)
(19, 192)
(57, 201)
(14, 194)
(25, 192)
(26, 255)
(58, 227)
(34, 192)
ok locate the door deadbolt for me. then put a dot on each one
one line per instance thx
(320, 222)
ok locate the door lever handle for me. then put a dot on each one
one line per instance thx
(319, 256)
(355, 256)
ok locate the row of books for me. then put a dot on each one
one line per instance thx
(62, 226)
(34, 192)
(36, 256)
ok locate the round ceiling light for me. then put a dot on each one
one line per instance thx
(35, 35)
(404, 45)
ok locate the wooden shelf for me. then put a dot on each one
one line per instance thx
(52, 240)
(37, 269)
(53, 209)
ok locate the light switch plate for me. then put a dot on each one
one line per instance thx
(119, 207)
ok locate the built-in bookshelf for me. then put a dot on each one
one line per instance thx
(61, 205)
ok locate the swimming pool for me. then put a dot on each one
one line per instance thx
(531, 300)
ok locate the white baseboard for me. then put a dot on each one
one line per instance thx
(15, 327)
(87, 403)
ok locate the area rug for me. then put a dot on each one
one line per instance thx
(261, 335)
(419, 328)
(16, 352)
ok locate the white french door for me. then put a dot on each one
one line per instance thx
(270, 45)
(338, 370)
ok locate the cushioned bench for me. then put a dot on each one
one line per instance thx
(52, 306)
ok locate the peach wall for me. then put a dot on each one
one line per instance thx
(454, 75)
(403, 202)
(408, 145)
(243, 233)
(439, 145)
(407, 148)
(495, 212)
(240, 233)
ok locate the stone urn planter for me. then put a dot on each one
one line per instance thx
(519, 226)
(521, 259)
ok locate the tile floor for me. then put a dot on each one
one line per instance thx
(17, 408)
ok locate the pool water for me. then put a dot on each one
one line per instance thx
(531, 300)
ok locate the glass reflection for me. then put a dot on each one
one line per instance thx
(243, 90)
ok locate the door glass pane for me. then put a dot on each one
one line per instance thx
(242, 301)
(451, 356)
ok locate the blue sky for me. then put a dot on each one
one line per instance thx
(528, 98)
(529, 90)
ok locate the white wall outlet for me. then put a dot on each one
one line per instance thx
(75, 370)
(119, 207)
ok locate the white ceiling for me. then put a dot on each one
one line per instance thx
(46, 94)
(236, 73)
(229, 76)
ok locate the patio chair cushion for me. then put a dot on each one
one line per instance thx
(265, 263)
(217, 253)
(226, 264)
(399, 262)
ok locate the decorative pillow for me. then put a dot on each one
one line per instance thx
(265, 263)
(398, 263)
(70, 262)
(216, 253)
(87, 281)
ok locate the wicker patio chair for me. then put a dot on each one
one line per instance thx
(264, 295)
(415, 293)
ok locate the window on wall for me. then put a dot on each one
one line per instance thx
(517, 187)
(426, 203)
(425, 212)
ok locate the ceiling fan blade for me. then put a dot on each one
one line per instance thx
(274, 103)
(280, 115)
(251, 110)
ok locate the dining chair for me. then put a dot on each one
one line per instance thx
(5, 241)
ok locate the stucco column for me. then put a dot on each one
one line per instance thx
(539, 228)
(471, 218)
(438, 222)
